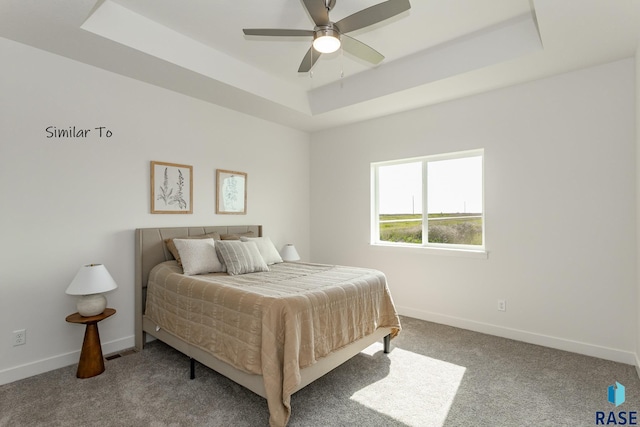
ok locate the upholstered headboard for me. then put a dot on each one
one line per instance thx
(151, 250)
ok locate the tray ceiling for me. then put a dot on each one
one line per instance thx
(436, 51)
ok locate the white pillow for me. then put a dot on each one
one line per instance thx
(240, 257)
(198, 256)
(266, 248)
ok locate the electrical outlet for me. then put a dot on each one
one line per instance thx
(502, 305)
(19, 337)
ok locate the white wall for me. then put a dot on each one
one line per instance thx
(559, 202)
(68, 202)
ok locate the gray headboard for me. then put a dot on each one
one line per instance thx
(151, 250)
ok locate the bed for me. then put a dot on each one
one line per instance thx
(273, 332)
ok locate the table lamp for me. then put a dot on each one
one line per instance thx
(289, 253)
(90, 283)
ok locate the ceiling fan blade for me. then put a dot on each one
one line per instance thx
(361, 50)
(276, 32)
(318, 11)
(309, 60)
(372, 15)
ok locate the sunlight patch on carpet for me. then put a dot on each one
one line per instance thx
(416, 400)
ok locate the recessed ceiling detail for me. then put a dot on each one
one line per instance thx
(500, 42)
(434, 52)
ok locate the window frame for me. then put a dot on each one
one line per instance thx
(426, 246)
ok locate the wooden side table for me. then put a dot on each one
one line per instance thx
(91, 360)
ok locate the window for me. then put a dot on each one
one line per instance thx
(449, 188)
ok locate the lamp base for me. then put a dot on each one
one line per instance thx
(91, 305)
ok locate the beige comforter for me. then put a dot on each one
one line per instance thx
(272, 323)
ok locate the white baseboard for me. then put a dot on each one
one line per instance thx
(613, 354)
(60, 361)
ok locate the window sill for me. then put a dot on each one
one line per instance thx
(464, 253)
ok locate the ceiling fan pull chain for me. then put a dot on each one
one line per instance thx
(341, 63)
(311, 63)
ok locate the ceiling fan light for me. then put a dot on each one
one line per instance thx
(326, 41)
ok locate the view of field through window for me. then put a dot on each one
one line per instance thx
(453, 201)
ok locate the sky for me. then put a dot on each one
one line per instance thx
(454, 186)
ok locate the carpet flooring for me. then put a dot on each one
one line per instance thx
(435, 375)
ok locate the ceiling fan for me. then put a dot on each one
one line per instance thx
(330, 36)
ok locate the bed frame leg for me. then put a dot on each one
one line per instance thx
(193, 368)
(387, 343)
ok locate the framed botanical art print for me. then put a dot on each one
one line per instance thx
(171, 188)
(231, 192)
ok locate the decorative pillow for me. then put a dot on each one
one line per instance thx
(266, 248)
(198, 256)
(237, 236)
(240, 257)
(172, 248)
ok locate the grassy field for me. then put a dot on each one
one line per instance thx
(452, 228)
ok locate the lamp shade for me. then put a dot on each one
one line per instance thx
(91, 279)
(90, 282)
(289, 253)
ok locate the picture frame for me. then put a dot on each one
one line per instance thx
(171, 188)
(231, 198)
